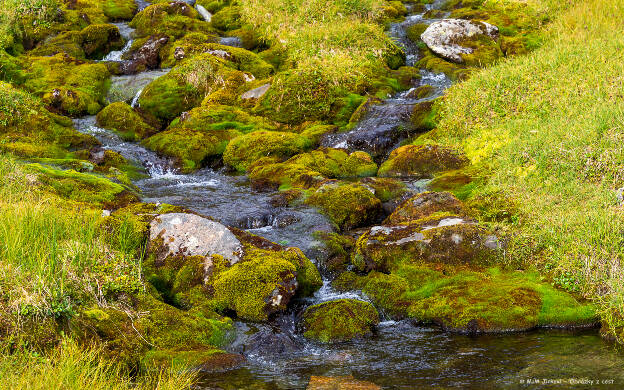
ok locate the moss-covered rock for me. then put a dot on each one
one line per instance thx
(174, 19)
(427, 204)
(242, 151)
(66, 85)
(299, 95)
(438, 239)
(224, 269)
(422, 161)
(339, 382)
(187, 85)
(124, 120)
(348, 205)
(94, 42)
(203, 133)
(339, 320)
(28, 130)
(264, 282)
(306, 169)
(120, 9)
(471, 301)
(83, 187)
(227, 18)
(316, 132)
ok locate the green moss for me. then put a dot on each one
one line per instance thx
(415, 30)
(316, 132)
(340, 320)
(348, 205)
(436, 64)
(426, 204)
(174, 19)
(187, 85)
(386, 189)
(70, 86)
(125, 121)
(485, 50)
(83, 187)
(299, 95)
(256, 288)
(227, 18)
(99, 39)
(338, 248)
(120, 9)
(242, 151)
(306, 169)
(421, 161)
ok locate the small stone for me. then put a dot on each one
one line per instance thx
(256, 93)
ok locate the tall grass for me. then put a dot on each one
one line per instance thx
(70, 367)
(549, 127)
(14, 13)
(339, 37)
(54, 252)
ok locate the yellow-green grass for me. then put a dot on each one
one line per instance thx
(54, 252)
(547, 129)
(340, 37)
(71, 367)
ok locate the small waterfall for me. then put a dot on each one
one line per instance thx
(135, 100)
(117, 54)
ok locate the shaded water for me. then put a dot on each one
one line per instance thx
(400, 355)
(404, 356)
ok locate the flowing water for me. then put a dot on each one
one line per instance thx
(385, 125)
(401, 355)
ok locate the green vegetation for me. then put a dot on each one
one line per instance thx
(341, 320)
(546, 126)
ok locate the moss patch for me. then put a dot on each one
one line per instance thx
(340, 320)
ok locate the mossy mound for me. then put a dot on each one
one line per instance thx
(421, 161)
(436, 64)
(427, 204)
(187, 46)
(386, 190)
(202, 133)
(259, 281)
(303, 170)
(264, 282)
(300, 95)
(472, 301)
(69, 86)
(242, 151)
(187, 85)
(438, 239)
(120, 9)
(415, 30)
(227, 18)
(316, 132)
(83, 187)
(93, 42)
(28, 130)
(341, 320)
(348, 205)
(174, 19)
(168, 335)
(125, 121)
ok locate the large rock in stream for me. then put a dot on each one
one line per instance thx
(432, 263)
(196, 262)
(339, 320)
(459, 40)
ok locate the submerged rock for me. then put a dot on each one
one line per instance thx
(458, 40)
(339, 320)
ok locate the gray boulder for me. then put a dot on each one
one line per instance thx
(445, 37)
(205, 14)
(256, 93)
(191, 235)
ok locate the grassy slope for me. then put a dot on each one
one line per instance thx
(548, 129)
